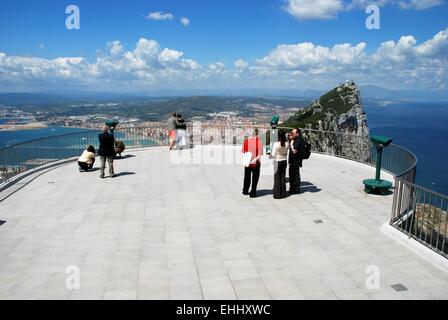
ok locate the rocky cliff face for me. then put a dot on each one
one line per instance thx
(341, 121)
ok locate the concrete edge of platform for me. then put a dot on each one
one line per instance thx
(19, 181)
(420, 249)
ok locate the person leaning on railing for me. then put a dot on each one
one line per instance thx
(172, 126)
(181, 132)
(87, 159)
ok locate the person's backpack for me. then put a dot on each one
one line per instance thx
(305, 151)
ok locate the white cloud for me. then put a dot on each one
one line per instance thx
(329, 9)
(217, 67)
(396, 64)
(148, 63)
(437, 46)
(185, 21)
(159, 16)
(115, 47)
(169, 56)
(393, 63)
(147, 50)
(307, 55)
(419, 4)
(241, 64)
(314, 9)
(189, 64)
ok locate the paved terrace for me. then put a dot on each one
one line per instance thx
(164, 231)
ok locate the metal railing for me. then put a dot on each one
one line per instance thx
(29, 155)
(421, 214)
(397, 160)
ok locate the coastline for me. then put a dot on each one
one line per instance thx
(22, 127)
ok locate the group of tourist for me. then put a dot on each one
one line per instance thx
(108, 147)
(284, 151)
(177, 131)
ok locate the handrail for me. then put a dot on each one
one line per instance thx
(136, 134)
(46, 138)
(413, 185)
(413, 166)
(421, 214)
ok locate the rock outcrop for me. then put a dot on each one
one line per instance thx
(336, 123)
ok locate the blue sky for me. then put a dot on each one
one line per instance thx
(219, 33)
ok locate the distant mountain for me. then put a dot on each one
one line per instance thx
(21, 98)
(31, 98)
(55, 98)
(25, 98)
(154, 108)
(379, 93)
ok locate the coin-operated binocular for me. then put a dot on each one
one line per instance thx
(272, 135)
(112, 125)
(274, 121)
(377, 185)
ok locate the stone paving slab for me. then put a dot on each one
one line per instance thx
(166, 231)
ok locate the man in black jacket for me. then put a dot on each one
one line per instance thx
(106, 151)
(295, 161)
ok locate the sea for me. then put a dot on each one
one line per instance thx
(8, 138)
(420, 127)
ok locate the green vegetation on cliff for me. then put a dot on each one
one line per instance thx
(334, 102)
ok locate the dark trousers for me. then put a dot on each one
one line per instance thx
(85, 166)
(280, 179)
(254, 174)
(294, 177)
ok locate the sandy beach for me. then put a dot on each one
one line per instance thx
(19, 127)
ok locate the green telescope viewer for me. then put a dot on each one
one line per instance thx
(274, 121)
(377, 185)
(112, 124)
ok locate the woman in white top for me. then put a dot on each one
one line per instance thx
(87, 159)
(280, 155)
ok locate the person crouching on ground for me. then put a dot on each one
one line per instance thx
(87, 159)
(295, 161)
(106, 151)
(252, 172)
(279, 154)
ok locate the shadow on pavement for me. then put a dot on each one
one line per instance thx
(122, 174)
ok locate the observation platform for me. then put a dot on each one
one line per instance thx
(162, 230)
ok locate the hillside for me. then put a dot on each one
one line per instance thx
(342, 122)
(155, 109)
(339, 110)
